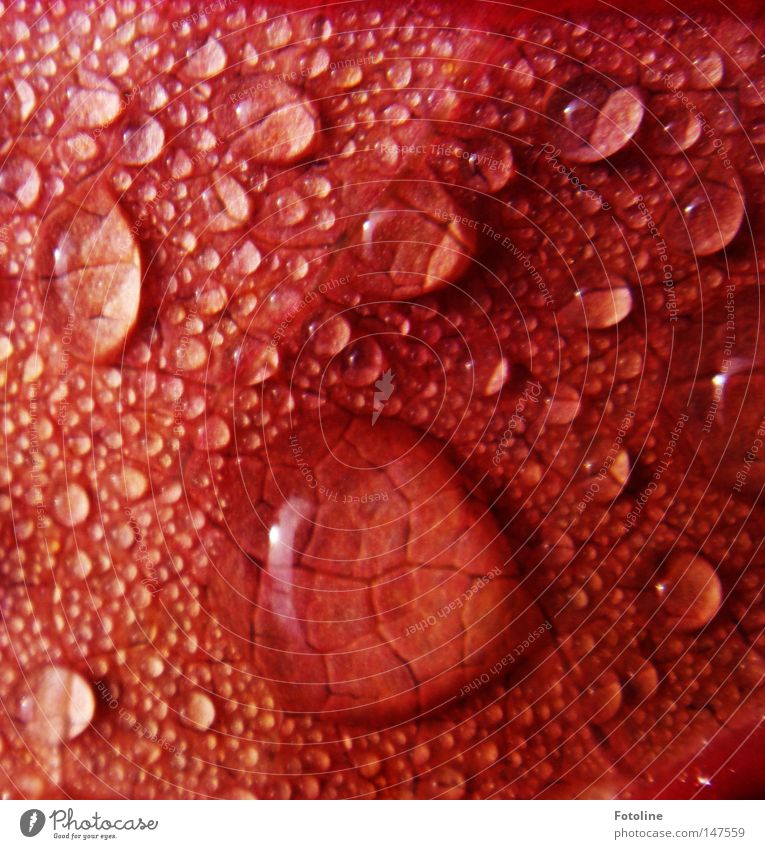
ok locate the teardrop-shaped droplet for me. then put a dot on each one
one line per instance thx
(272, 120)
(90, 258)
(380, 587)
(592, 119)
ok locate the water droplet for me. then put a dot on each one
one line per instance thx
(228, 204)
(708, 68)
(689, 591)
(213, 435)
(81, 565)
(71, 505)
(135, 483)
(90, 256)
(58, 707)
(21, 97)
(321, 27)
(348, 77)
(563, 406)
(199, 712)
(278, 32)
(598, 309)
(291, 209)
(604, 473)
(593, 119)
(6, 348)
(399, 73)
(142, 144)
(255, 361)
(205, 62)
(672, 127)
(422, 239)
(20, 181)
(643, 682)
(151, 665)
(621, 466)
(499, 370)
(96, 102)
(485, 165)
(443, 783)
(496, 164)
(277, 123)
(384, 583)
(329, 334)
(712, 212)
(33, 368)
(362, 362)
(245, 259)
(603, 700)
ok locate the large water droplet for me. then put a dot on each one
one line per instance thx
(142, 144)
(726, 413)
(329, 334)
(95, 102)
(689, 591)
(277, 123)
(206, 61)
(255, 361)
(71, 505)
(411, 244)
(712, 210)
(80, 564)
(58, 707)
(485, 165)
(90, 257)
(245, 259)
(362, 362)
(214, 434)
(19, 97)
(380, 586)
(563, 406)
(226, 203)
(199, 711)
(603, 699)
(594, 119)
(20, 183)
(598, 309)
(672, 126)
(708, 68)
